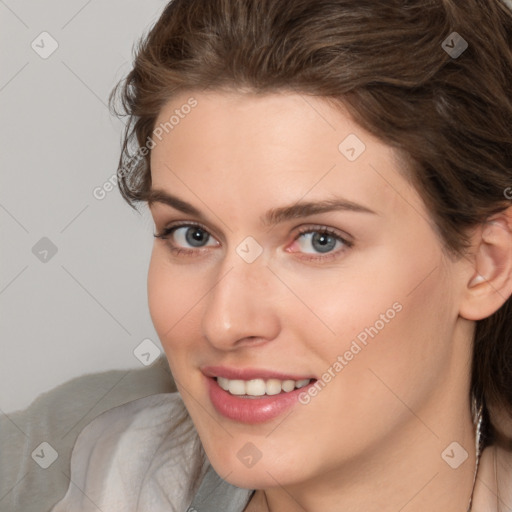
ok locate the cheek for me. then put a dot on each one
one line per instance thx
(394, 321)
(174, 301)
(389, 364)
(404, 353)
(169, 297)
(160, 298)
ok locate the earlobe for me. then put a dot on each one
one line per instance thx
(490, 285)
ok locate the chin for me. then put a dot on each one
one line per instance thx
(236, 467)
(258, 477)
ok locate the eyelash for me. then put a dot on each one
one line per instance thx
(166, 232)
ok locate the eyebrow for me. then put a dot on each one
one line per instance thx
(271, 217)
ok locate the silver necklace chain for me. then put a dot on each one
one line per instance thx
(478, 416)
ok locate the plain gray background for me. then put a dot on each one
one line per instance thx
(83, 309)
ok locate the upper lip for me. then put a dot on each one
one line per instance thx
(233, 373)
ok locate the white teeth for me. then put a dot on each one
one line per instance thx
(288, 385)
(223, 383)
(273, 387)
(260, 387)
(255, 387)
(237, 387)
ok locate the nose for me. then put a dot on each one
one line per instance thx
(241, 307)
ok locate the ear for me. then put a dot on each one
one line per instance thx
(490, 284)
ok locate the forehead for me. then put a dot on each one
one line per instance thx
(280, 145)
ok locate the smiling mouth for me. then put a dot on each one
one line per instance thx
(260, 387)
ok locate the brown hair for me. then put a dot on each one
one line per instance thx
(448, 116)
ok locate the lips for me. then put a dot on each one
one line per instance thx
(232, 373)
(243, 408)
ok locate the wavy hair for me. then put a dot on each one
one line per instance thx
(448, 116)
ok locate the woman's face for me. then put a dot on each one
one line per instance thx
(299, 254)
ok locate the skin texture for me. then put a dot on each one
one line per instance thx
(372, 439)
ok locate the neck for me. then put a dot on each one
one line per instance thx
(407, 472)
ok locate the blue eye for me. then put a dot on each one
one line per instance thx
(192, 234)
(321, 240)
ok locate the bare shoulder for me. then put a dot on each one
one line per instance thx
(504, 475)
(493, 488)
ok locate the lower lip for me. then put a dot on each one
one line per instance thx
(252, 410)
